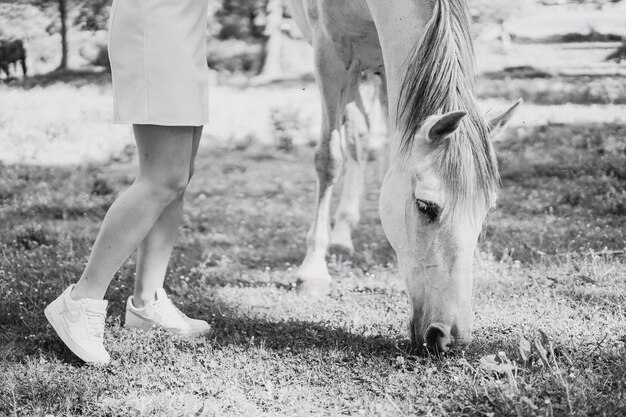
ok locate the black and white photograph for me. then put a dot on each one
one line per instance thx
(312, 208)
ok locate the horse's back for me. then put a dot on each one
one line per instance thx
(346, 24)
(332, 16)
(12, 49)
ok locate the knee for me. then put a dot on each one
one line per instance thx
(327, 168)
(168, 190)
(356, 135)
(329, 159)
(174, 188)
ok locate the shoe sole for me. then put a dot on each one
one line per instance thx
(55, 320)
(198, 333)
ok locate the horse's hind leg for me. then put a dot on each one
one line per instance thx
(356, 135)
(337, 84)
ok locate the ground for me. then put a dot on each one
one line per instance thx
(549, 297)
(551, 260)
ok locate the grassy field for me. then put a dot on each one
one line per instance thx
(549, 300)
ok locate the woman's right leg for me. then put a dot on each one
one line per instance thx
(150, 307)
(164, 160)
(154, 252)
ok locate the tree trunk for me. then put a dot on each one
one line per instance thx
(63, 14)
(272, 67)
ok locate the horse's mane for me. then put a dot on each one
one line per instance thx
(440, 79)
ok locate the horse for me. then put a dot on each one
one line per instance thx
(443, 174)
(11, 52)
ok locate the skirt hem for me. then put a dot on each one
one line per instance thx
(159, 123)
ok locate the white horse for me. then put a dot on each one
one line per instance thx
(443, 175)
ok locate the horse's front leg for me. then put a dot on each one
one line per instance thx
(24, 67)
(355, 139)
(337, 83)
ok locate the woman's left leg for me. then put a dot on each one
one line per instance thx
(154, 252)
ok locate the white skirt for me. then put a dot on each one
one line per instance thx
(157, 50)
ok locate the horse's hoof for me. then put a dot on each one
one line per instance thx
(313, 289)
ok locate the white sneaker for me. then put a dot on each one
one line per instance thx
(162, 313)
(80, 325)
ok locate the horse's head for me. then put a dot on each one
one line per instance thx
(433, 203)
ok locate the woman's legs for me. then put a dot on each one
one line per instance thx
(153, 254)
(164, 164)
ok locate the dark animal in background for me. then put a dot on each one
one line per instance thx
(619, 55)
(12, 52)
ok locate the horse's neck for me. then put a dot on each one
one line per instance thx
(400, 24)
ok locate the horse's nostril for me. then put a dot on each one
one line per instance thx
(437, 336)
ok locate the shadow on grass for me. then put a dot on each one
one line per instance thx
(76, 78)
(299, 336)
(32, 337)
(25, 334)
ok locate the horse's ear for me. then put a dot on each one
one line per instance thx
(499, 121)
(445, 125)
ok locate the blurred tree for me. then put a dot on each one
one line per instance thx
(63, 17)
(22, 21)
(241, 19)
(62, 14)
(93, 15)
(252, 25)
(272, 45)
(214, 26)
(88, 15)
(258, 22)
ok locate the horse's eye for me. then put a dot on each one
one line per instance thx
(429, 209)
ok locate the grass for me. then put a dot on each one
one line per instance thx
(273, 353)
(62, 120)
(549, 297)
(565, 191)
(553, 90)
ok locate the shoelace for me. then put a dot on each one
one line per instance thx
(96, 323)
